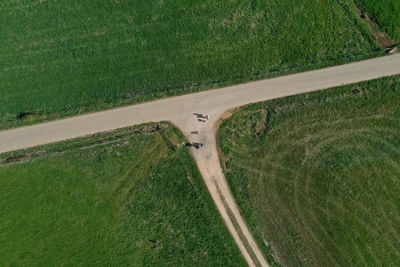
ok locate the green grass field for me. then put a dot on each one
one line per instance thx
(60, 58)
(317, 176)
(386, 13)
(117, 199)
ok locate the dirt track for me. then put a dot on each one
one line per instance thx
(179, 110)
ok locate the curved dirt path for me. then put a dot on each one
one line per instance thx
(208, 162)
(179, 110)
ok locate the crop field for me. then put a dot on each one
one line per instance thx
(317, 176)
(60, 58)
(385, 13)
(128, 198)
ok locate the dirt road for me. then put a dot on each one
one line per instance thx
(179, 110)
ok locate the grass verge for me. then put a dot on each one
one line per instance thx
(385, 13)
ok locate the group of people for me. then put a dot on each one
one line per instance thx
(201, 118)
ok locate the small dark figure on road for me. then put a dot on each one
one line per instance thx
(195, 132)
(197, 145)
(201, 120)
(200, 116)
